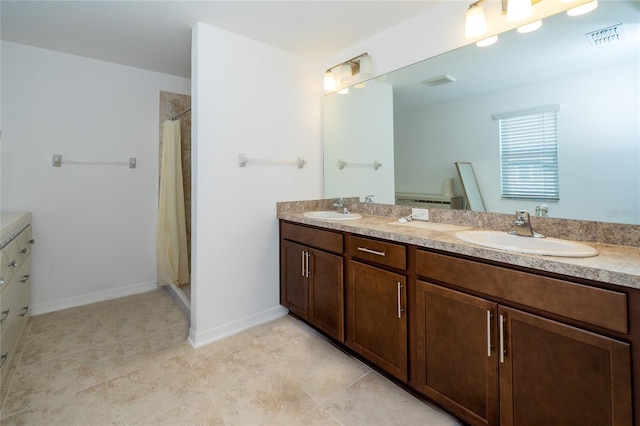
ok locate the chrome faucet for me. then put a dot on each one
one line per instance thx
(340, 207)
(368, 199)
(523, 226)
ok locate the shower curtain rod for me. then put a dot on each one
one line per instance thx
(181, 114)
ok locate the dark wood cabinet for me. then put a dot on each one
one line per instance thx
(555, 374)
(311, 280)
(492, 364)
(456, 359)
(376, 316)
(493, 344)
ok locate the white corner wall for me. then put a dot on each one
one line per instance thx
(94, 225)
(358, 128)
(254, 99)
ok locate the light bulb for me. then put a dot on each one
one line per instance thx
(366, 68)
(474, 22)
(345, 74)
(329, 81)
(518, 10)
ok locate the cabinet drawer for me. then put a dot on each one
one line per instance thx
(383, 253)
(318, 238)
(10, 263)
(599, 307)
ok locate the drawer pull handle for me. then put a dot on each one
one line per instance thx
(25, 309)
(489, 334)
(400, 300)
(502, 339)
(366, 250)
(25, 278)
(308, 268)
(13, 264)
(5, 314)
(303, 260)
(3, 359)
(24, 250)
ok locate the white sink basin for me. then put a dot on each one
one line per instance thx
(542, 246)
(331, 215)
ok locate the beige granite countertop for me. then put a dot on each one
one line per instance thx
(615, 264)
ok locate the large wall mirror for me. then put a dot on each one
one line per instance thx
(418, 131)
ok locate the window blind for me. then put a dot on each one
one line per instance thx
(529, 154)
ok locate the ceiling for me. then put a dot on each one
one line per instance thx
(156, 35)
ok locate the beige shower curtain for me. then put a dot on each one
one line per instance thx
(171, 239)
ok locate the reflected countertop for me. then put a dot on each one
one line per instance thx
(615, 264)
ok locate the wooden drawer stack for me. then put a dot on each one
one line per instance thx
(15, 255)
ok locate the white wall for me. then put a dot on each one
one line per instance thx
(432, 139)
(254, 99)
(94, 225)
(358, 129)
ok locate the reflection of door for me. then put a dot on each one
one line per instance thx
(470, 186)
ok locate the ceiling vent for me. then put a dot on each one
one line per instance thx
(605, 36)
(439, 80)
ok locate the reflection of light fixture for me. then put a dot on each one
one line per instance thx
(583, 8)
(474, 23)
(527, 28)
(343, 91)
(518, 10)
(341, 74)
(487, 41)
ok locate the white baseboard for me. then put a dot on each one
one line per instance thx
(200, 339)
(86, 299)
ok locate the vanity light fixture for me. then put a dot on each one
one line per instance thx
(519, 10)
(583, 8)
(475, 23)
(359, 65)
(528, 28)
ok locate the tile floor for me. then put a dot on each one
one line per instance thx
(127, 361)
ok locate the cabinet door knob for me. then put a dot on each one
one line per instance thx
(501, 339)
(3, 359)
(400, 300)
(489, 333)
(25, 278)
(31, 241)
(4, 316)
(25, 309)
(24, 251)
(13, 264)
(366, 250)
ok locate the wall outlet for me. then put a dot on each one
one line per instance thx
(420, 214)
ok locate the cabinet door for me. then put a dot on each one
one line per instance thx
(376, 317)
(326, 298)
(456, 360)
(294, 293)
(554, 374)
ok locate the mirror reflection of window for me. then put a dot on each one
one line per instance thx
(529, 154)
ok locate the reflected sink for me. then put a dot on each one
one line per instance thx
(541, 246)
(332, 215)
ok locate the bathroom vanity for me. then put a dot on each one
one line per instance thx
(494, 337)
(15, 251)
